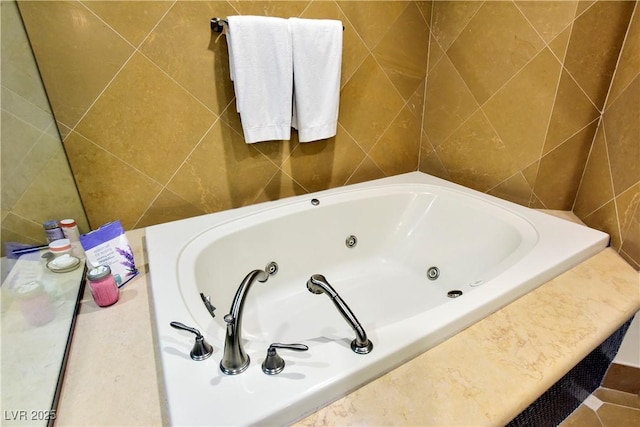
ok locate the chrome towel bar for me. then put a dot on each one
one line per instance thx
(218, 25)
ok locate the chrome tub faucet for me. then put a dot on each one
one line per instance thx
(234, 359)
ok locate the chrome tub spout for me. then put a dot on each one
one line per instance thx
(318, 284)
(235, 360)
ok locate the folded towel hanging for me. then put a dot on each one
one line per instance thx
(260, 59)
(317, 58)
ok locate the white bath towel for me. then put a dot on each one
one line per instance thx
(317, 58)
(261, 70)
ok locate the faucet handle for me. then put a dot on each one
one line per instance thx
(274, 364)
(201, 349)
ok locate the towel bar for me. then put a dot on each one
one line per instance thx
(218, 24)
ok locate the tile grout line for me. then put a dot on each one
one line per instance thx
(613, 187)
(164, 186)
(117, 73)
(601, 126)
(430, 68)
(136, 49)
(555, 95)
(480, 106)
(618, 59)
(405, 102)
(584, 169)
(424, 92)
(601, 123)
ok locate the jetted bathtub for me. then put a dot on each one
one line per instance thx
(396, 250)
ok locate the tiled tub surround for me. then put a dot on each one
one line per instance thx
(502, 96)
(494, 369)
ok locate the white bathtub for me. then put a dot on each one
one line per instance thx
(491, 250)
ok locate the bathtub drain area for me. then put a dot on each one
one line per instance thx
(454, 293)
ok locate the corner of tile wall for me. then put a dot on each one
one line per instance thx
(535, 130)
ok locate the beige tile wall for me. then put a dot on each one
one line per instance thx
(609, 195)
(143, 95)
(501, 96)
(514, 95)
(37, 184)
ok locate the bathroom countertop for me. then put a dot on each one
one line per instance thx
(485, 375)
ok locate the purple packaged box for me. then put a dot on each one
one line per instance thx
(108, 245)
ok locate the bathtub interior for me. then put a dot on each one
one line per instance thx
(400, 235)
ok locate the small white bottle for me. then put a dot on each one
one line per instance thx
(71, 232)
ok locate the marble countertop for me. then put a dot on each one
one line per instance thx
(485, 375)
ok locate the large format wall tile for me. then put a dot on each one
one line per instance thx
(561, 170)
(525, 102)
(280, 186)
(369, 103)
(396, 151)
(195, 58)
(572, 111)
(628, 204)
(372, 20)
(594, 48)
(549, 18)
(147, 120)
(133, 20)
(324, 164)
(366, 171)
(622, 129)
(110, 188)
(429, 161)
(515, 189)
(605, 219)
(168, 206)
(79, 60)
(448, 102)
(475, 156)
(596, 187)
(402, 52)
(629, 62)
(449, 18)
(222, 172)
(279, 8)
(488, 54)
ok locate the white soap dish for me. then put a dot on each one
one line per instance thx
(63, 263)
